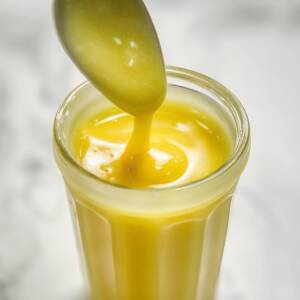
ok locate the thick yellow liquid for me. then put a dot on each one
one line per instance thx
(169, 256)
(152, 256)
(185, 145)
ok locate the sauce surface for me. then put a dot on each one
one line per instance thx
(186, 145)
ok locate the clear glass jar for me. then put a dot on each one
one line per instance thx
(153, 244)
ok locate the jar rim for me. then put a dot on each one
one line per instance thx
(243, 134)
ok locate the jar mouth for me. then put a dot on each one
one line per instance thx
(238, 112)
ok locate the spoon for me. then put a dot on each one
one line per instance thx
(115, 45)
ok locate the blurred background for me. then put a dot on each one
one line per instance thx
(251, 46)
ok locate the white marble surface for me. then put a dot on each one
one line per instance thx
(251, 46)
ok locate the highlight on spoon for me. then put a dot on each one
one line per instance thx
(115, 45)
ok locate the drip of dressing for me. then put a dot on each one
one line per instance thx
(115, 45)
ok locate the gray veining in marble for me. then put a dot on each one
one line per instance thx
(253, 47)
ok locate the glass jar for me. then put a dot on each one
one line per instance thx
(153, 244)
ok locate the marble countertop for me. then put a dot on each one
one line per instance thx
(253, 47)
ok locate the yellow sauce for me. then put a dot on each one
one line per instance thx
(151, 256)
(186, 145)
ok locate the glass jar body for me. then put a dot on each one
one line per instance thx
(158, 243)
